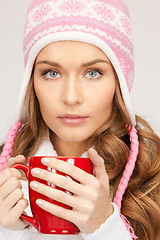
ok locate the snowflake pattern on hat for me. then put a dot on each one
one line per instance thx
(72, 6)
(41, 12)
(105, 11)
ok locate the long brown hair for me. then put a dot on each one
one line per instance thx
(141, 201)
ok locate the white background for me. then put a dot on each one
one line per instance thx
(145, 16)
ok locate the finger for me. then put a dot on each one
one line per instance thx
(69, 169)
(19, 208)
(13, 221)
(11, 200)
(98, 163)
(8, 173)
(58, 180)
(58, 211)
(9, 186)
(63, 197)
(15, 160)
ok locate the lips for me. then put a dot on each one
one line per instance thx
(72, 119)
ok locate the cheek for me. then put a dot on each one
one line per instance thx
(40, 96)
(44, 99)
(104, 99)
(108, 100)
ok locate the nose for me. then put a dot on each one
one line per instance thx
(72, 91)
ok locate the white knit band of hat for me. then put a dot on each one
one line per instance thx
(74, 36)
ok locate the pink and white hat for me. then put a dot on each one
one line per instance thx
(103, 23)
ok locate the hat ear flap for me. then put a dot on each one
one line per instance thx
(7, 149)
(126, 177)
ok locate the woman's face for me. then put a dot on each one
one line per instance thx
(75, 85)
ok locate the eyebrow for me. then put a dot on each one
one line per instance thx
(54, 64)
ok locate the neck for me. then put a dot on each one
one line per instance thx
(74, 149)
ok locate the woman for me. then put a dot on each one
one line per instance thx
(77, 112)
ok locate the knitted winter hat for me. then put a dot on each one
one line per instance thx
(103, 23)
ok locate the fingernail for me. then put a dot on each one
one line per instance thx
(39, 202)
(45, 160)
(35, 171)
(34, 185)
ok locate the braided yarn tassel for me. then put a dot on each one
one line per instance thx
(7, 149)
(126, 177)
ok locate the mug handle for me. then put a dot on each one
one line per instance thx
(29, 219)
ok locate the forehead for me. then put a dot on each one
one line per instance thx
(71, 49)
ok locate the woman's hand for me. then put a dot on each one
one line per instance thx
(90, 201)
(12, 203)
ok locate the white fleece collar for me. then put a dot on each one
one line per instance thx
(46, 149)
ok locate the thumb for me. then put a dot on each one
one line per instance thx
(98, 164)
(15, 160)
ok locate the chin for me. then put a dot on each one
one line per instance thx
(76, 135)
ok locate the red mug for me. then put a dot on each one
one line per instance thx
(42, 220)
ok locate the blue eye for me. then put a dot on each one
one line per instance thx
(50, 74)
(94, 75)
